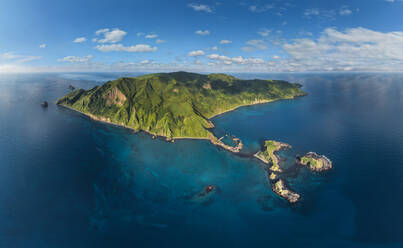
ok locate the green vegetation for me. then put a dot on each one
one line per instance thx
(174, 105)
(268, 156)
(316, 162)
(311, 162)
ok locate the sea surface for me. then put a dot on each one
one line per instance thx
(68, 181)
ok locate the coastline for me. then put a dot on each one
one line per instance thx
(214, 140)
(252, 104)
(93, 117)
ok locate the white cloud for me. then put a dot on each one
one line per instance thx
(110, 36)
(260, 9)
(264, 32)
(255, 45)
(311, 12)
(345, 11)
(214, 48)
(355, 49)
(238, 60)
(28, 58)
(151, 36)
(79, 40)
(140, 48)
(144, 62)
(225, 42)
(201, 32)
(324, 14)
(352, 49)
(196, 53)
(160, 41)
(140, 34)
(16, 58)
(200, 7)
(101, 31)
(42, 46)
(76, 59)
(9, 55)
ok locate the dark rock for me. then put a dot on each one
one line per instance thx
(44, 104)
(71, 87)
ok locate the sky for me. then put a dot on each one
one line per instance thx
(201, 36)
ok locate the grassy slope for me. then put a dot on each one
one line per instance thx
(177, 104)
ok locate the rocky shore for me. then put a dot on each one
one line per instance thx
(235, 149)
(315, 162)
(281, 189)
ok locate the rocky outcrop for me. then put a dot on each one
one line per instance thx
(44, 104)
(281, 189)
(205, 195)
(115, 96)
(71, 87)
(268, 155)
(235, 149)
(315, 162)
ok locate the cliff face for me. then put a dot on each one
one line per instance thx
(174, 105)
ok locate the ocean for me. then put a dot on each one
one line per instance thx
(69, 181)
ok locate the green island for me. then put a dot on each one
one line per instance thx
(315, 162)
(268, 155)
(179, 105)
(175, 105)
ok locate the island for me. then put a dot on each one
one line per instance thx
(280, 189)
(180, 105)
(175, 105)
(315, 162)
(268, 155)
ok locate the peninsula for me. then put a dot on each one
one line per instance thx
(175, 105)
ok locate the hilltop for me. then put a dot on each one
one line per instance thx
(174, 105)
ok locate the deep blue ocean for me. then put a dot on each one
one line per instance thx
(68, 181)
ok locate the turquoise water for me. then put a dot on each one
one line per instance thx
(68, 181)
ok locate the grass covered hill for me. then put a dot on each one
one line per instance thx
(174, 105)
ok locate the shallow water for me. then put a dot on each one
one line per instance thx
(68, 181)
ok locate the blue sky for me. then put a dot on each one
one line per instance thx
(223, 35)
